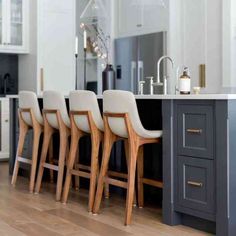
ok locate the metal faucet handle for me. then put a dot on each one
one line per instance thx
(140, 87)
(157, 84)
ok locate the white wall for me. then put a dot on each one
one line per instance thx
(214, 46)
(195, 37)
(229, 43)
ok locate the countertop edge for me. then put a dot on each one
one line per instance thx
(169, 97)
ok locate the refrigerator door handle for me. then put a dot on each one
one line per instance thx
(140, 74)
(133, 70)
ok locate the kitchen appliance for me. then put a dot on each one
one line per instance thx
(136, 59)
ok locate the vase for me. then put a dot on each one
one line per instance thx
(108, 78)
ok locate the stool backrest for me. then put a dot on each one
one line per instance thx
(29, 100)
(53, 100)
(117, 101)
(82, 100)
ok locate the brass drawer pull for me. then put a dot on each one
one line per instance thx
(195, 184)
(194, 131)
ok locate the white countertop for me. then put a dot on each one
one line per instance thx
(172, 97)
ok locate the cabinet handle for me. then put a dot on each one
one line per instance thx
(41, 79)
(139, 25)
(195, 184)
(194, 131)
(202, 73)
(6, 121)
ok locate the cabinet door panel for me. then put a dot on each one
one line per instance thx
(155, 16)
(195, 130)
(14, 26)
(130, 17)
(196, 185)
(16, 23)
(56, 49)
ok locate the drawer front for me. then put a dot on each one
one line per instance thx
(196, 184)
(195, 130)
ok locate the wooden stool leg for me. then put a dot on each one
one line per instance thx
(127, 162)
(106, 189)
(23, 131)
(133, 151)
(108, 142)
(46, 140)
(72, 157)
(94, 168)
(61, 163)
(140, 176)
(77, 178)
(36, 139)
(50, 157)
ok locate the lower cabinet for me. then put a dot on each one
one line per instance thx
(196, 184)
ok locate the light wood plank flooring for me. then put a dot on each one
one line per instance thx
(23, 214)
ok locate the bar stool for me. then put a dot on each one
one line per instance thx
(29, 118)
(121, 121)
(85, 120)
(56, 119)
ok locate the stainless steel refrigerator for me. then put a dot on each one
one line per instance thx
(136, 58)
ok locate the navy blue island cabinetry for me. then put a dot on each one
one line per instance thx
(198, 166)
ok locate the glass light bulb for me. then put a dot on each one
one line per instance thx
(104, 56)
(82, 25)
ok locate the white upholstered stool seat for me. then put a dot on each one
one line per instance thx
(121, 121)
(30, 117)
(56, 119)
(86, 120)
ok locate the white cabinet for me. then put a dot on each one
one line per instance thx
(4, 140)
(56, 44)
(14, 26)
(140, 17)
(50, 64)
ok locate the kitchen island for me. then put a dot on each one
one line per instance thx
(196, 160)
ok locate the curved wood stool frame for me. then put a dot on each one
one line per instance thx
(24, 128)
(73, 168)
(64, 133)
(135, 149)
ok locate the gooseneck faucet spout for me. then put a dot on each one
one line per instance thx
(158, 67)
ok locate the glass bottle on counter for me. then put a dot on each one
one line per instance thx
(185, 82)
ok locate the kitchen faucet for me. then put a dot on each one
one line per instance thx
(164, 83)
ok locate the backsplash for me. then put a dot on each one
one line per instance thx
(8, 74)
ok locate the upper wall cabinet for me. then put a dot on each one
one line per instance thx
(14, 26)
(137, 17)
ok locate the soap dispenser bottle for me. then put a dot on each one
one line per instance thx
(185, 82)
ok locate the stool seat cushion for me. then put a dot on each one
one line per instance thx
(118, 101)
(54, 100)
(82, 100)
(151, 133)
(29, 100)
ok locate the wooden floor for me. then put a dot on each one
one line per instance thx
(22, 213)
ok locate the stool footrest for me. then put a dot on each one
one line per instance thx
(24, 160)
(115, 182)
(117, 174)
(83, 167)
(50, 166)
(80, 173)
(155, 183)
